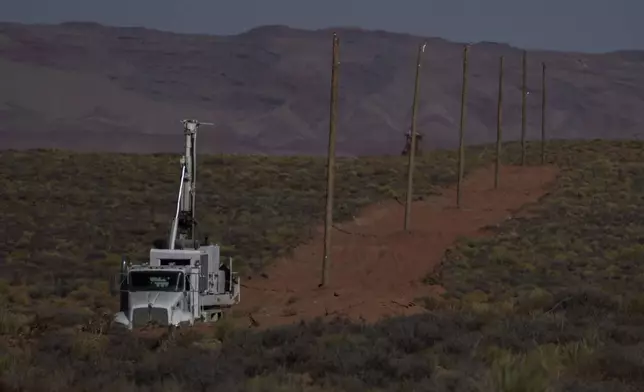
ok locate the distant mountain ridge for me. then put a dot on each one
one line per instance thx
(86, 86)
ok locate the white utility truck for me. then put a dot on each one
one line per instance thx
(183, 282)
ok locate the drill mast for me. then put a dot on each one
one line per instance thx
(183, 234)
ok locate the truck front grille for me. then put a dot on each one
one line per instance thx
(142, 316)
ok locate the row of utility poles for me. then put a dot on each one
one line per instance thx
(412, 151)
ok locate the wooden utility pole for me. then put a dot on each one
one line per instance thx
(461, 146)
(412, 151)
(543, 113)
(499, 120)
(524, 95)
(330, 167)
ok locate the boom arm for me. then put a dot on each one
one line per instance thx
(175, 221)
(183, 226)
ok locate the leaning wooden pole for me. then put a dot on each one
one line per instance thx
(499, 121)
(412, 151)
(330, 167)
(543, 113)
(461, 141)
(524, 95)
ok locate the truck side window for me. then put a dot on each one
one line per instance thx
(187, 282)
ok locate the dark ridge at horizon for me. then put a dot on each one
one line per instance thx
(281, 29)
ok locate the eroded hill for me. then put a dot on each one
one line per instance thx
(86, 86)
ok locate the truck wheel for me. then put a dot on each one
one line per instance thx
(116, 328)
(212, 317)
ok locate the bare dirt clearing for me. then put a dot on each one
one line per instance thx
(376, 267)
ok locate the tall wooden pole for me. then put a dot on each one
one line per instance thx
(461, 145)
(412, 151)
(330, 170)
(499, 121)
(524, 94)
(543, 113)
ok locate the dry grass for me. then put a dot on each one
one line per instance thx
(550, 302)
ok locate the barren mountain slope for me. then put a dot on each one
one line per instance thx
(87, 86)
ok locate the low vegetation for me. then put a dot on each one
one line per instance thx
(549, 301)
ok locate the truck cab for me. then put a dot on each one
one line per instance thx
(176, 287)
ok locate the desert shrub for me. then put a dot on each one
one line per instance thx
(551, 301)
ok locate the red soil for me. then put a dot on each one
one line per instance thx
(376, 268)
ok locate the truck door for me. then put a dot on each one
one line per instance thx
(194, 292)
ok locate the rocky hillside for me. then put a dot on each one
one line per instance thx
(91, 87)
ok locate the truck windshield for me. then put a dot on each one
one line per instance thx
(156, 281)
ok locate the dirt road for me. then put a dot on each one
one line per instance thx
(376, 267)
